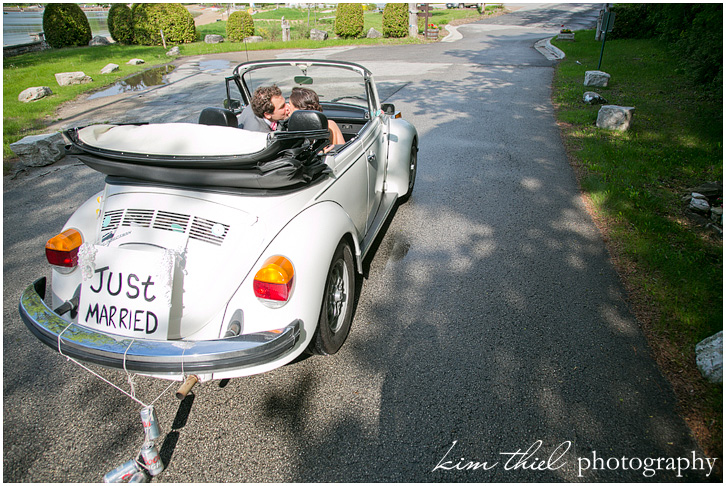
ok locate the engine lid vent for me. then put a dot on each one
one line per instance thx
(140, 218)
(197, 228)
(171, 221)
(207, 230)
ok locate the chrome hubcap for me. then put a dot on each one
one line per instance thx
(337, 295)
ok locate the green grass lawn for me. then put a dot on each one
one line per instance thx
(38, 69)
(635, 181)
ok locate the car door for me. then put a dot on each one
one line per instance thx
(373, 140)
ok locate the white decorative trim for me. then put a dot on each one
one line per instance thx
(87, 260)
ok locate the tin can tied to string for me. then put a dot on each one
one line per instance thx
(151, 423)
(122, 473)
(151, 459)
(139, 477)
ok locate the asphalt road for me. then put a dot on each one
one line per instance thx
(491, 330)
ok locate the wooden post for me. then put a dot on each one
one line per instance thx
(424, 12)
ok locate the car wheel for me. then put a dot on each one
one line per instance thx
(461, 5)
(412, 168)
(336, 313)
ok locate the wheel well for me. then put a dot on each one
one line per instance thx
(355, 249)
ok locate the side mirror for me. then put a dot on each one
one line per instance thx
(234, 105)
(388, 108)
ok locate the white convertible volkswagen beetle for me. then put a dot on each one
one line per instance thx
(219, 252)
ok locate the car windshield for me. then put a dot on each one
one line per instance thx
(330, 83)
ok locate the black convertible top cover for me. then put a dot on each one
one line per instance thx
(289, 159)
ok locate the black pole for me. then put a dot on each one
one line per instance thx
(604, 35)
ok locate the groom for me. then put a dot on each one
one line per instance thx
(267, 109)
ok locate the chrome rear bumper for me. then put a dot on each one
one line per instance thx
(157, 357)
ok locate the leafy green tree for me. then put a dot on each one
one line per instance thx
(349, 20)
(239, 26)
(65, 25)
(120, 24)
(395, 20)
(150, 19)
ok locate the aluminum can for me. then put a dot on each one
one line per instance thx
(122, 473)
(139, 477)
(151, 423)
(151, 458)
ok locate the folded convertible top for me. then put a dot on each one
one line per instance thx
(202, 155)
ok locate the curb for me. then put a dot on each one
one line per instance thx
(454, 34)
(549, 51)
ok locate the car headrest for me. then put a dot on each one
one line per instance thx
(306, 120)
(218, 116)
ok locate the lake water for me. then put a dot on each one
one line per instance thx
(17, 26)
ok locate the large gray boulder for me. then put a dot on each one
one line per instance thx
(709, 358)
(39, 150)
(35, 93)
(99, 40)
(319, 35)
(254, 38)
(109, 68)
(174, 51)
(213, 39)
(76, 77)
(613, 117)
(373, 34)
(592, 98)
(596, 78)
(135, 62)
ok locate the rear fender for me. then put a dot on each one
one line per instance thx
(85, 220)
(309, 242)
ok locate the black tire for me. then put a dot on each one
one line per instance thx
(336, 313)
(413, 168)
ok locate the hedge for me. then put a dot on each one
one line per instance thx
(349, 20)
(65, 25)
(171, 18)
(120, 24)
(239, 26)
(395, 20)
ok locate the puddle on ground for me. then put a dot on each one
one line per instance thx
(137, 82)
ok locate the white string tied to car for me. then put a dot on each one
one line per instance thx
(130, 379)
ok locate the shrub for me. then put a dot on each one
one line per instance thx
(395, 20)
(65, 25)
(120, 25)
(239, 26)
(632, 21)
(349, 20)
(172, 18)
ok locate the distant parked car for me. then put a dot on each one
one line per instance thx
(462, 5)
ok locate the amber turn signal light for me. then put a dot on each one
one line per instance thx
(273, 282)
(62, 249)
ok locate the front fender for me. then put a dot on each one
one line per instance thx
(401, 137)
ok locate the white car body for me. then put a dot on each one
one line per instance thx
(191, 247)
